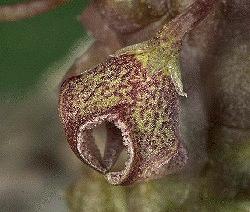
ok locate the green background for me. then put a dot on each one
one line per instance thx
(28, 47)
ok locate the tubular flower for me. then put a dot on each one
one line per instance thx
(136, 92)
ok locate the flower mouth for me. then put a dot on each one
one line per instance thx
(105, 144)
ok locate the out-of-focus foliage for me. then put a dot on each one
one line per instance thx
(28, 47)
(35, 161)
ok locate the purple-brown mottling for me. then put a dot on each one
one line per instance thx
(143, 106)
(140, 96)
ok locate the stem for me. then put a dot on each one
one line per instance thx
(28, 9)
(186, 21)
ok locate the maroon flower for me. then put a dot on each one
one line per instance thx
(136, 93)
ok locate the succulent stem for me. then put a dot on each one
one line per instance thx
(186, 21)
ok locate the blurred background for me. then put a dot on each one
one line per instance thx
(39, 172)
(36, 162)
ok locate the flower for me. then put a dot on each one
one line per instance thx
(137, 93)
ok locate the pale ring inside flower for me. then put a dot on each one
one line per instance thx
(109, 147)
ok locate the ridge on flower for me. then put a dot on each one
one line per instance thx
(136, 92)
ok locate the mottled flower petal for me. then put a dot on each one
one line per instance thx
(142, 105)
(136, 92)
